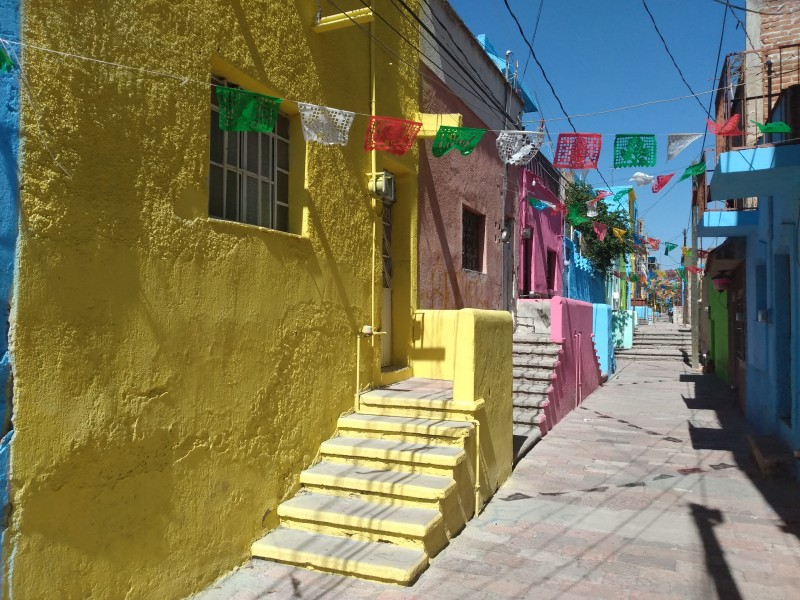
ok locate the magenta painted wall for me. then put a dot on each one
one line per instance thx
(546, 235)
(446, 186)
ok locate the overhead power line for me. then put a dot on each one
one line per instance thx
(716, 70)
(462, 83)
(664, 42)
(479, 85)
(397, 56)
(538, 64)
(533, 35)
(744, 8)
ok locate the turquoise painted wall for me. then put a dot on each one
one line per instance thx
(581, 280)
(603, 339)
(9, 200)
(622, 324)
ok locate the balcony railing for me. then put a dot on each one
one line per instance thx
(760, 86)
(701, 198)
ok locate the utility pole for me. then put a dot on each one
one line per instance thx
(697, 197)
(506, 237)
(684, 292)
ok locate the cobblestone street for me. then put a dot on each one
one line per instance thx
(647, 490)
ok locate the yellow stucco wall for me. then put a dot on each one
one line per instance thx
(473, 348)
(173, 374)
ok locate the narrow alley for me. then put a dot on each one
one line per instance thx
(648, 490)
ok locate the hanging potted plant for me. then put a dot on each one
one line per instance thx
(722, 281)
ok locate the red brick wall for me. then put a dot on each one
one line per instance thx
(777, 32)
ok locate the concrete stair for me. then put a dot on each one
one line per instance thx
(658, 343)
(535, 360)
(389, 490)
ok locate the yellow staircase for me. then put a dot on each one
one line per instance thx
(390, 489)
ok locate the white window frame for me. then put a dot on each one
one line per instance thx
(266, 210)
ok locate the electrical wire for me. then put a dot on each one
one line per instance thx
(744, 27)
(538, 64)
(632, 106)
(533, 36)
(400, 58)
(480, 86)
(457, 46)
(664, 42)
(544, 74)
(750, 10)
(716, 70)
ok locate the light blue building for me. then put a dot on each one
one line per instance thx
(766, 307)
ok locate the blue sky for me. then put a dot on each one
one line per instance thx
(601, 55)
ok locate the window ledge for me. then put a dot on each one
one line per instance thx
(237, 227)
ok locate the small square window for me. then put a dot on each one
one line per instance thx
(472, 240)
(248, 172)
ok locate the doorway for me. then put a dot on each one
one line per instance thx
(784, 369)
(738, 335)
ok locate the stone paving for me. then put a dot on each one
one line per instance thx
(646, 491)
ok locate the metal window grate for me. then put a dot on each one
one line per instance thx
(248, 172)
(472, 238)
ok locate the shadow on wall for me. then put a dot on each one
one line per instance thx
(428, 190)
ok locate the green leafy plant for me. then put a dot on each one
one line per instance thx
(603, 254)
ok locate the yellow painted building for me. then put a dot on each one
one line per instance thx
(174, 372)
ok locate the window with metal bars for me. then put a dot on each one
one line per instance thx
(472, 238)
(248, 177)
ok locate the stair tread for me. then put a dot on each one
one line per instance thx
(530, 387)
(356, 512)
(533, 338)
(360, 478)
(393, 449)
(442, 427)
(375, 560)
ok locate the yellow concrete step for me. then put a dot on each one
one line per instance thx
(416, 427)
(385, 402)
(398, 484)
(393, 451)
(372, 521)
(340, 554)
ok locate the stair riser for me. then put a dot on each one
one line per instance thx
(520, 389)
(533, 364)
(393, 465)
(537, 351)
(456, 507)
(530, 404)
(424, 413)
(527, 419)
(432, 543)
(412, 438)
(348, 568)
(376, 496)
(541, 376)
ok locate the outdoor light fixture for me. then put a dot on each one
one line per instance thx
(722, 281)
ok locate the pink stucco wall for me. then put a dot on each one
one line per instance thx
(578, 373)
(546, 236)
(447, 185)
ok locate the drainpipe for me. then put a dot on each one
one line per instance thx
(368, 330)
(478, 497)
